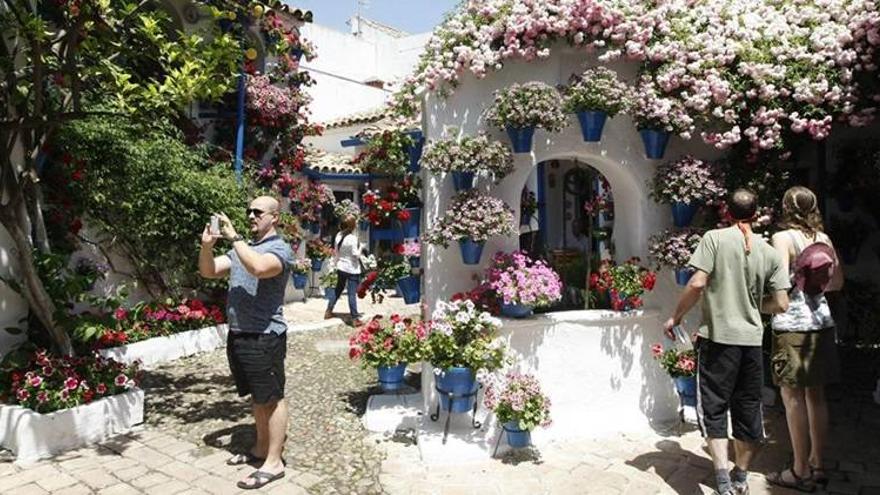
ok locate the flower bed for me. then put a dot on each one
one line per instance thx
(163, 349)
(57, 403)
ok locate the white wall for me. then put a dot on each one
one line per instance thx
(619, 157)
(12, 306)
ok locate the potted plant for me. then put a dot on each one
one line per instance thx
(522, 283)
(399, 274)
(620, 287)
(593, 96)
(389, 345)
(686, 184)
(317, 250)
(59, 402)
(300, 272)
(291, 230)
(346, 208)
(673, 249)
(461, 342)
(387, 152)
(411, 250)
(468, 157)
(657, 116)
(520, 108)
(682, 368)
(519, 405)
(399, 202)
(471, 219)
(307, 200)
(328, 280)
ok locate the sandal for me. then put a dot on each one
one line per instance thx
(820, 477)
(261, 479)
(801, 484)
(243, 458)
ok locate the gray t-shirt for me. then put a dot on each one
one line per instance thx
(737, 283)
(255, 305)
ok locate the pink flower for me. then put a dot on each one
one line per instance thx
(70, 383)
(657, 350)
(121, 380)
(120, 314)
(101, 388)
(22, 394)
(64, 394)
(42, 396)
(36, 381)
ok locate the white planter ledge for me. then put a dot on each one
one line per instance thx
(32, 436)
(162, 349)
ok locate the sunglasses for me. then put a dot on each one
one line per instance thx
(256, 211)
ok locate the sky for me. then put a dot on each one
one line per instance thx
(412, 16)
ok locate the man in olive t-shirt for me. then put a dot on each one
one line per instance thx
(737, 275)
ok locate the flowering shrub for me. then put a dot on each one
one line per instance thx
(673, 249)
(47, 383)
(346, 208)
(147, 320)
(462, 336)
(469, 154)
(619, 287)
(472, 215)
(388, 342)
(317, 249)
(290, 230)
(677, 363)
(688, 180)
(597, 89)
(302, 266)
(518, 397)
(381, 208)
(387, 152)
(518, 279)
(526, 105)
(308, 198)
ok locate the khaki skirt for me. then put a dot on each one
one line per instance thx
(805, 359)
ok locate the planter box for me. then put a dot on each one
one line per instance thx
(32, 436)
(161, 349)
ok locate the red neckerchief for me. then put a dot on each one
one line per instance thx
(744, 226)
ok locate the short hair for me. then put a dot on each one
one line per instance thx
(742, 204)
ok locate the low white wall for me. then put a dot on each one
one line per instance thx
(158, 350)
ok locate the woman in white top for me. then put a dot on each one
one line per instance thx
(804, 356)
(348, 268)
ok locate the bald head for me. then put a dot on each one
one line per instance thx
(742, 204)
(267, 204)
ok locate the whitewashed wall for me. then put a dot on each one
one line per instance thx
(619, 157)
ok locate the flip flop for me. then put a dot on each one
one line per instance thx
(798, 483)
(819, 475)
(261, 478)
(243, 458)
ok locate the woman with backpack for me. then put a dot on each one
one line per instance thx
(804, 354)
(348, 249)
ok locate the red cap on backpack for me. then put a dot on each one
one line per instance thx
(813, 268)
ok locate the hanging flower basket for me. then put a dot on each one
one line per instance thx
(592, 123)
(521, 138)
(410, 289)
(655, 142)
(471, 251)
(463, 181)
(683, 213)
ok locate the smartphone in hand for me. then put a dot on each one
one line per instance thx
(214, 228)
(680, 334)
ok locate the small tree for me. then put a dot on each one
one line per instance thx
(63, 61)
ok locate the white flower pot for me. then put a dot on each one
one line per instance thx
(32, 436)
(161, 349)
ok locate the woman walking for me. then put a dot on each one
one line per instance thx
(348, 268)
(804, 355)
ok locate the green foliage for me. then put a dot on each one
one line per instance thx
(151, 195)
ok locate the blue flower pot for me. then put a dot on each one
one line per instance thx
(521, 138)
(686, 386)
(415, 153)
(409, 287)
(683, 213)
(655, 142)
(462, 383)
(471, 251)
(317, 264)
(462, 181)
(516, 437)
(683, 275)
(299, 280)
(592, 123)
(411, 227)
(391, 377)
(329, 293)
(516, 310)
(415, 261)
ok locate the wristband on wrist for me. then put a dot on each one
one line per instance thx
(236, 237)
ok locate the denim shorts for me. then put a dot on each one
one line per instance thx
(256, 361)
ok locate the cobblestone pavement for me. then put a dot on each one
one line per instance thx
(194, 419)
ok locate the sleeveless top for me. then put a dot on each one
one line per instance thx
(805, 313)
